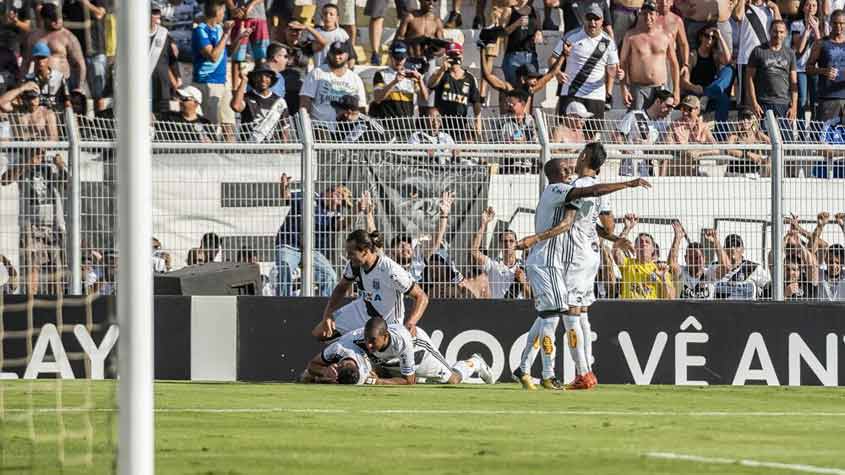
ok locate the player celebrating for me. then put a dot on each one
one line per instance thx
(380, 283)
(547, 263)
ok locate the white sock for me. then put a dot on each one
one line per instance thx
(584, 319)
(575, 342)
(465, 368)
(532, 346)
(547, 343)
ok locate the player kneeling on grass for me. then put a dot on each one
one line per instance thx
(381, 285)
(551, 257)
(434, 368)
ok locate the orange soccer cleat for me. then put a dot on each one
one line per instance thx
(580, 382)
(591, 379)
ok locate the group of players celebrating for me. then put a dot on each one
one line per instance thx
(371, 341)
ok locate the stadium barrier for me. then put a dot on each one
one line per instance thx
(268, 339)
(221, 200)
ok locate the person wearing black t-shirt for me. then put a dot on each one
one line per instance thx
(262, 110)
(454, 90)
(187, 125)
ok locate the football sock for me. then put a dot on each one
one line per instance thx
(547, 344)
(575, 342)
(584, 319)
(465, 368)
(532, 346)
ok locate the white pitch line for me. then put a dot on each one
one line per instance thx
(747, 463)
(482, 412)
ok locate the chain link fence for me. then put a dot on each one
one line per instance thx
(450, 196)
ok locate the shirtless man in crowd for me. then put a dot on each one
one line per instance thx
(699, 13)
(646, 50)
(66, 52)
(421, 23)
(673, 25)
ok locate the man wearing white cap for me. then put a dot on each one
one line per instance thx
(591, 64)
(187, 125)
(571, 129)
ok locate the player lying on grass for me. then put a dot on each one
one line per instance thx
(546, 265)
(380, 284)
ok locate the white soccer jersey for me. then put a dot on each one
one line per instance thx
(747, 36)
(549, 212)
(582, 48)
(692, 287)
(500, 277)
(401, 347)
(583, 235)
(382, 288)
(348, 346)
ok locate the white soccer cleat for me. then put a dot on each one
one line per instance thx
(484, 370)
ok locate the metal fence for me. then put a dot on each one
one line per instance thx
(443, 192)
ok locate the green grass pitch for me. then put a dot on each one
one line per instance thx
(500, 429)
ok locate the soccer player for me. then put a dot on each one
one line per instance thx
(547, 263)
(380, 283)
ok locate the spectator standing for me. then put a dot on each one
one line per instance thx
(673, 25)
(66, 55)
(329, 31)
(649, 60)
(624, 14)
(689, 129)
(741, 279)
(375, 9)
(755, 21)
(52, 84)
(277, 60)
(805, 31)
(164, 64)
(827, 61)
(187, 125)
(179, 17)
(86, 20)
(454, 90)
(262, 110)
(330, 82)
(422, 23)
(300, 52)
(528, 77)
(524, 34)
(506, 277)
(592, 65)
(643, 278)
(327, 221)
(748, 162)
(771, 79)
(34, 121)
(210, 65)
(698, 14)
(9, 69)
(395, 88)
(645, 127)
(712, 74)
(15, 23)
(833, 133)
(249, 15)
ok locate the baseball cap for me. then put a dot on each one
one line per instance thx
(399, 49)
(577, 109)
(190, 92)
(690, 101)
(529, 71)
(733, 240)
(339, 47)
(41, 50)
(649, 5)
(347, 102)
(593, 9)
(454, 49)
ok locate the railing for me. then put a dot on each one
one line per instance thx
(427, 184)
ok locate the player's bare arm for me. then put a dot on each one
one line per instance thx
(602, 189)
(325, 329)
(563, 226)
(420, 299)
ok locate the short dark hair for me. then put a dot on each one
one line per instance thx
(836, 13)
(695, 245)
(375, 326)
(330, 5)
(50, 12)
(596, 153)
(778, 22)
(519, 93)
(663, 95)
(347, 374)
(211, 7)
(838, 251)
(245, 254)
(506, 232)
(211, 241)
(400, 239)
(364, 240)
(274, 48)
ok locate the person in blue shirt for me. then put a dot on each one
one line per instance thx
(834, 134)
(328, 221)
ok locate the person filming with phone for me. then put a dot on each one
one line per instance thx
(395, 89)
(455, 89)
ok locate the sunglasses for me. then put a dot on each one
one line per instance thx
(592, 18)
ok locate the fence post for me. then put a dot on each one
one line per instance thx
(777, 206)
(545, 141)
(74, 204)
(308, 203)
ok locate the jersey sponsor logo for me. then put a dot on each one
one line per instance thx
(452, 97)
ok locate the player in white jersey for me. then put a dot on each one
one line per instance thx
(381, 285)
(546, 263)
(342, 361)
(433, 366)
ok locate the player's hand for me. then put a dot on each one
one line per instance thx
(488, 215)
(822, 219)
(329, 374)
(412, 328)
(328, 327)
(638, 183)
(526, 243)
(625, 246)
